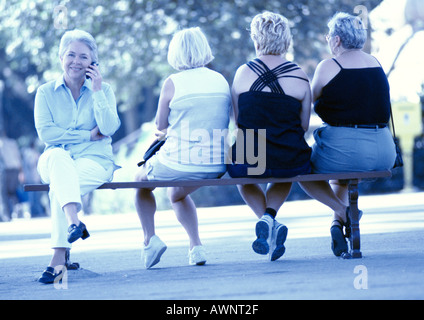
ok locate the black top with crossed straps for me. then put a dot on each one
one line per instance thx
(276, 112)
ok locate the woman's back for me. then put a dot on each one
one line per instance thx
(199, 110)
(292, 86)
(357, 92)
(267, 105)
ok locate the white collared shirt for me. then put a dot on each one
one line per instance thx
(63, 122)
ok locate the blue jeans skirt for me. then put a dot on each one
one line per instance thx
(342, 149)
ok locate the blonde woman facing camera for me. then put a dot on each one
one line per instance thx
(194, 103)
(270, 93)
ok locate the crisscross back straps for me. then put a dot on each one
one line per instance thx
(269, 78)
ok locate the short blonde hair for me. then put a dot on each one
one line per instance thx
(271, 33)
(189, 49)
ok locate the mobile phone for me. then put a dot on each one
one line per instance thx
(92, 64)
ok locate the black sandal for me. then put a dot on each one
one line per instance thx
(338, 237)
(338, 240)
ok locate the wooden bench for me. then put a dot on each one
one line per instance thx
(351, 178)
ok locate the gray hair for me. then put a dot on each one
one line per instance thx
(349, 29)
(189, 49)
(81, 36)
(271, 33)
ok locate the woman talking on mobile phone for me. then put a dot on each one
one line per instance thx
(75, 116)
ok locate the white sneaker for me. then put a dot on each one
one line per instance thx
(197, 256)
(264, 233)
(153, 251)
(279, 236)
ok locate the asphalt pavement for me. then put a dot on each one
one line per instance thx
(392, 267)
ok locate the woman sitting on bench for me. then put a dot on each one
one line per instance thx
(75, 116)
(193, 104)
(351, 95)
(270, 93)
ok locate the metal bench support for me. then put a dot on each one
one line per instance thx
(355, 237)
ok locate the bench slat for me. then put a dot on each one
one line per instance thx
(352, 179)
(228, 181)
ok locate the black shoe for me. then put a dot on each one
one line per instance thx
(49, 275)
(338, 237)
(338, 240)
(68, 264)
(75, 232)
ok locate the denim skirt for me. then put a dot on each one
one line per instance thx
(342, 149)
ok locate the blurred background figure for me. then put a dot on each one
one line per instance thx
(10, 167)
(30, 155)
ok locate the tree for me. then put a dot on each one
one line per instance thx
(133, 37)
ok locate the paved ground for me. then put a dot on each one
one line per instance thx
(392, 266)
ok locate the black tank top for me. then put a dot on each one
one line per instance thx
(355, 96)
(276, 112)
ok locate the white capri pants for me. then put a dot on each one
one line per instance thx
(69, 180)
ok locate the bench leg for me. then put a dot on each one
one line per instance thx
(355, 238)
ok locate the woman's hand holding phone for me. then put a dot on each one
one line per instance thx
(93, 73)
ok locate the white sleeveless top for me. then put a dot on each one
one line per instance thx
(198, 122)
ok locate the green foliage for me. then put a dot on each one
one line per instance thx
(133, 37)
